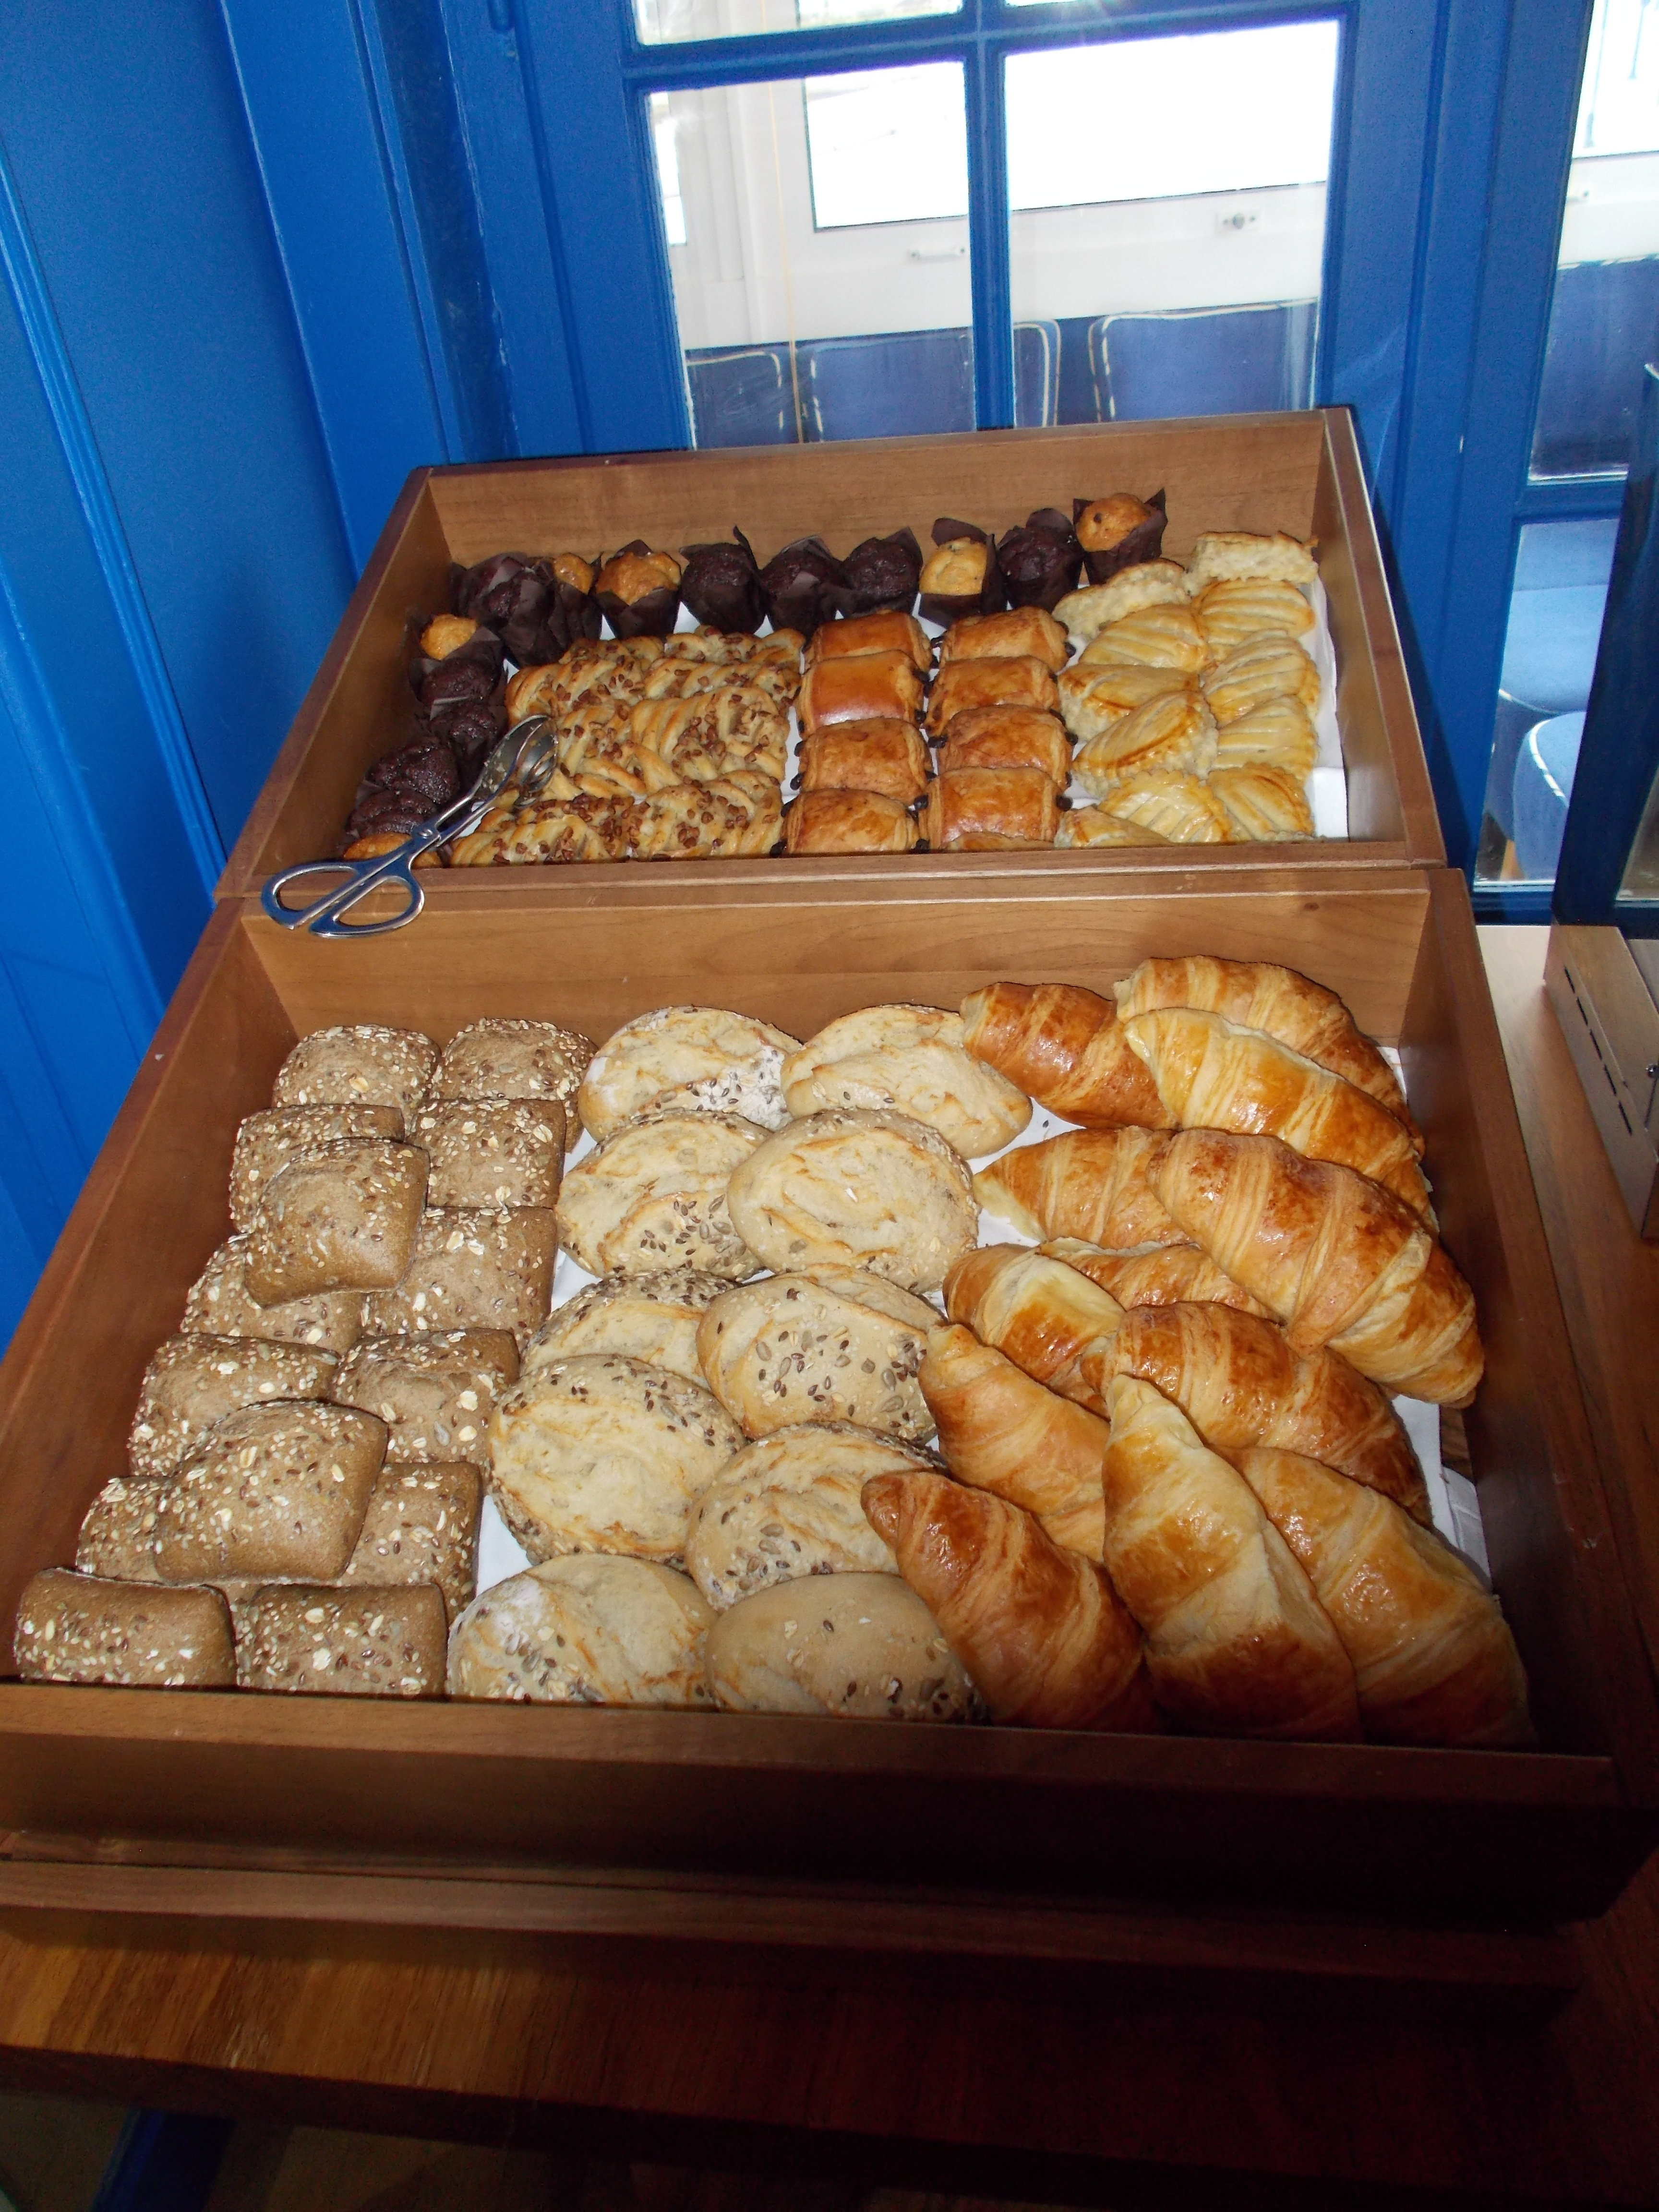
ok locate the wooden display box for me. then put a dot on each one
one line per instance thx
(701, 1824)
(1298, 473)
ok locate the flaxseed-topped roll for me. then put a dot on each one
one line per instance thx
(192, 1382)
(268, 1141)
(79, 1628)
(360, 1642)
(356, 1066)
(653, 1195)
(587, 1630)
(838, 1345)
(341, 1218)
(652, 1317)
(436, 1394)
(471, 1268)
(508, 1059)
(219, 1304)
(492, 1152)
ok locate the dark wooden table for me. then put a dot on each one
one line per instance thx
(1120, 2102)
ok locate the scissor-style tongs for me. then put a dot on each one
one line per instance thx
(525, 757)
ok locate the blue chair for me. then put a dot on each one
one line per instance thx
(1549, 648)
(1543, 784)
(898, 384)
(1036, 375)
(1204, 360)
(741, 396)
(1604, 324)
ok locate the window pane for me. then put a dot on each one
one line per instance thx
(818, 245)
(1169, 265)
(664, 22)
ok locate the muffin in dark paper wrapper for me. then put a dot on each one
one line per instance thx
(470, 670)
(508, 593)
(885, 573)
(637, 591)
(805, 584)
(1039, 562)
(962, 575)
(425, 766)
(469, 728)
(723, 585)
(1119, 531)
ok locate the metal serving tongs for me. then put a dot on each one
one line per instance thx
(525, 757)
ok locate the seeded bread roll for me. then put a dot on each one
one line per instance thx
(384, 1643)
(471, 1269)
(708, 1057)
(500, 1059)
(838, 1345)
(268, 1141)
(909, 1060)
(436, 1394)
(422, 1526)
(653, 1195)
(117, 1536)
(340, 1219)
(587, 1630)
(605, 1455)
(649, 1317)
(193, 1381)
(849, 1189)
(789, 1506)
(860, 1645)
(276, 1490)
(492, 1152)
(360, 1067)
(219, 1304)
(77, 1628)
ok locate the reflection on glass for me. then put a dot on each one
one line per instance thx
(1168, 221)
(1641, 876)
(818, 246)
(668, 22)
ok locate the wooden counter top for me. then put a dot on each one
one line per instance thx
(1146, 2103)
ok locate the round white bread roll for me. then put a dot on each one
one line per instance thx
(911, 1059)
(711, 1060)
(649, 1317)
(791, 1506)
(653, 1196)
(589, 1631)
(863, 1645)
(605, 1455)
(849, 1188)
(838, 1345)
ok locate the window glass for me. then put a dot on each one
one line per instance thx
(667, 22)
(1167, 222)
(818, 245)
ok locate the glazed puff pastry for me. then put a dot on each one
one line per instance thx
(1177, 732)
(1178, 804)
(1271, 667)
(1092, 696)
(1008, 736)
(991, 637)
(1161, 636)
(1148, 583)
(1021, 680)
(847, 640)
(848, 822)
(1279, 733)
(858, 687)
(1012, 805)
(1229, 612)
(1093, 825)
(1266, 805)
(887, 757)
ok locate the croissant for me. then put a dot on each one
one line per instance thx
(1239, 1383)
(1064, 1047)
(1334, 1256)
(1000, 1431)
(1213, 1075)
(1040, 1312)
(1433, 1659)
(1163, 1275)
(1093, 1183)
(1237, 1642)
(1046, 1638)
(1259, 995)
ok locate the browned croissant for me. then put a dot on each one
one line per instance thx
(1038, 1310)
(1040, 1628)
(1433, 1659)
(1093, 1183)
(1237, 1642)
(1259, 995)
(1239, 1383)
(1000, 1431)
(1334, 1256)
(1065, 1048)
(1167, 1275)
(1212, 1074)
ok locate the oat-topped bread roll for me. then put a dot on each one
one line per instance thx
(1179, 805)
(1008, 736)
(702, 1057)
(274, 1491)
(341, 1218)
(119, 1531)
(859, 687)
(436, 1394)
(492, 1152)
(1273, 666)
(1230, 614)
(361, 1067)
(472, 1269)
(651, 1317)
(192, 1382)
(1247, 554)
(219, 1304)
(838, 1345)
(911, 1059)
(852, 1189)
(1097, 1184)
(653, 1195)
(976, 809)
(1093, 825)
(1085, 613)
(78, 1628)
(1176, 731)
(1265, 805)
(1161, 636)
(1020, 631)
(268, 1141)
(422, 1526)
(605, 1455)
(737, 816)
(1095, 694)
(361, 1642)
(848, 822)
(588, 1630)
(1278, 733)
(789, 1506)
(502, 1059)
(887, 757)
(864, 1645)
(1019, 681)
(892, 632)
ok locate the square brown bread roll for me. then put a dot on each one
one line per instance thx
(507, 1059)
(471, 1269)
(387, 1642)
(268, 1141)
(364, 1065)
(887, 757)
(219, 1304)
(78, 1628)
(422, 1526)
(342, 1218)
(117, 1536)
(276, 1490)
(850, 821)
(193, 1381)
(436, 1394)
(492, 1152)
